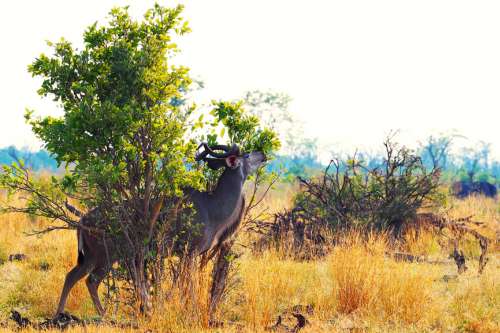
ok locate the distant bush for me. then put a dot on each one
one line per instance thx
(382, 197)
(349, 194)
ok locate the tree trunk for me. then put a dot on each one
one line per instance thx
(219, 280)
(141, 285)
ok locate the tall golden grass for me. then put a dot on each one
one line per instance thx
(355, 284)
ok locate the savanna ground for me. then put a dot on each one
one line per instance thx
(356, 287)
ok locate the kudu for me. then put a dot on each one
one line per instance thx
(219, 212)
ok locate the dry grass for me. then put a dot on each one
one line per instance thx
(49, 258)
(368, 283)
(355, 286)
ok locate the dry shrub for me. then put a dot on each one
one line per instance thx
(351, 193)
(368, 283)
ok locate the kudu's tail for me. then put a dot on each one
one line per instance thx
(81, 254)
(79, 235)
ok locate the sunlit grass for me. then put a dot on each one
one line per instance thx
(356, 283)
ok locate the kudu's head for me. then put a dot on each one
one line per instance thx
(231, 158)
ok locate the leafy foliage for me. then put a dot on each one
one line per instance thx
(118, 120)
(243, 128)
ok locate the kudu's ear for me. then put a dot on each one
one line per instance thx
(233, 161)
(215, 164)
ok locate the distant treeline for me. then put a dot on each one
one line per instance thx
(470, 163)
(35, 160)
(473, 163)
(301, 159)
(292, 166)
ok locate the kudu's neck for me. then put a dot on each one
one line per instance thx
(228, 191)
(230, 182)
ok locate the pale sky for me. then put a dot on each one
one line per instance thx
(355, 69)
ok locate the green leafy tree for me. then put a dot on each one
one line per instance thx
(126, 134)
(122, 132)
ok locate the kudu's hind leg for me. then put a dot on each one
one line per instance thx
(75, 275)
(93, 281)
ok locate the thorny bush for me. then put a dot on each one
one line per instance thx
(349, 194)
